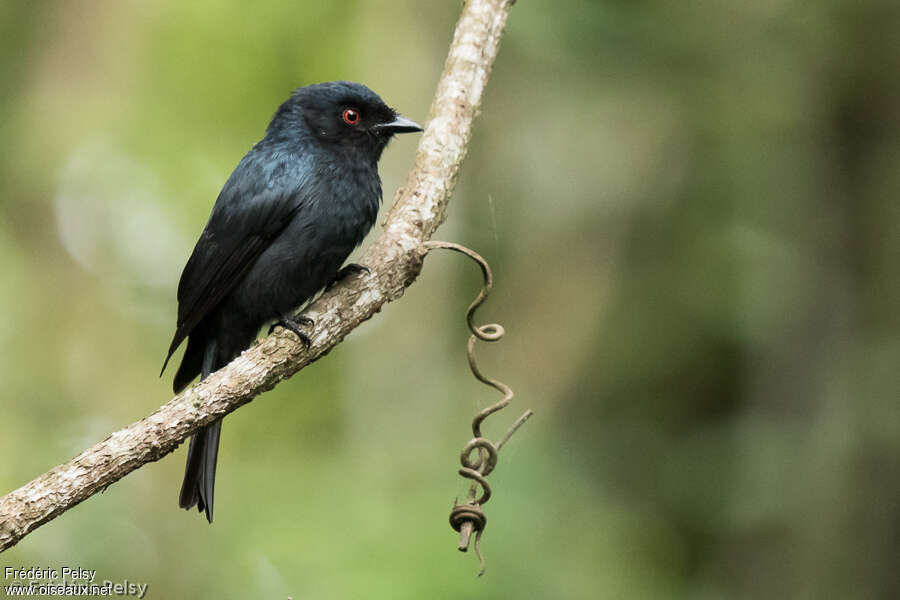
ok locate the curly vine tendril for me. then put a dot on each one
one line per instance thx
(468, 517)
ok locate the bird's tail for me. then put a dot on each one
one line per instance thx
(200, 471)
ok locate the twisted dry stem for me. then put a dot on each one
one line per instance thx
(394, 259)
(469, 517)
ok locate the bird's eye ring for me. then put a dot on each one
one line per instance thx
(351, 116)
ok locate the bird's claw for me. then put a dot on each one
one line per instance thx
(295, 324)
(347, 270)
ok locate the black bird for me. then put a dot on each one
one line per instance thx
(292, 211)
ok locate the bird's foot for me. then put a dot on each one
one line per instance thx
(295, 323)
(346, 271)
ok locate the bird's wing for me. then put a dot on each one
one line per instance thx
(248, 215)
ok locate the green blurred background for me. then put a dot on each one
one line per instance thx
(691, 211)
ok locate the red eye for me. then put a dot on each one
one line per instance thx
(351, 116)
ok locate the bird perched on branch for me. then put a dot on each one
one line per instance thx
(292, 211)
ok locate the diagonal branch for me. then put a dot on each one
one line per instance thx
(395, 260)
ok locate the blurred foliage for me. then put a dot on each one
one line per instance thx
(691, 211)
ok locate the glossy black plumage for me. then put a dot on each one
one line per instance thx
(287, 218)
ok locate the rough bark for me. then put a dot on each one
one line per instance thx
(394, 259)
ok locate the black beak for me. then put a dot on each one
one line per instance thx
(400, 124)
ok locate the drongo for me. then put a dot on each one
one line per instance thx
(292, 211)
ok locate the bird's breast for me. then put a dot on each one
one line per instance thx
(307, 254)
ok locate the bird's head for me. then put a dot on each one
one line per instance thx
(343, 114)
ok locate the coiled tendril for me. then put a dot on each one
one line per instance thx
(479, 455)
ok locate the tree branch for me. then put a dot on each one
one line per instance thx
(395, 260)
